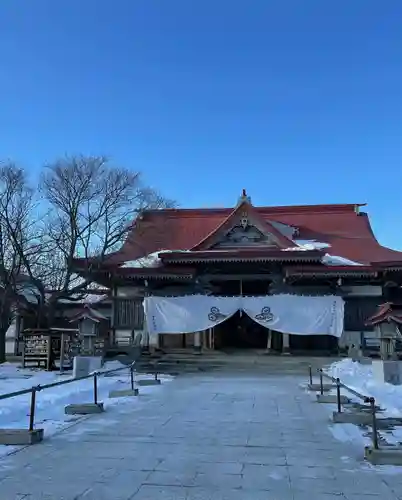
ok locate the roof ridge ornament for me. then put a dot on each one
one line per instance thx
(244, 198)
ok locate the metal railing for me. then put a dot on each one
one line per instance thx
(94, 375)
(366, 399)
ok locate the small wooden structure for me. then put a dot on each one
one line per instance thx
(387, 322)
(44, 346)
(93, 329)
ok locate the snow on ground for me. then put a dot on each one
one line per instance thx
(360, 378)
(50, 403)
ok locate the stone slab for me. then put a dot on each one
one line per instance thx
(123, 393)
(317, 387)
(18, 437)
(357, 418)
(383, 456)
(148, 381)
(364, 407)
(365, 361)
(84, 409)
(332, 398)
(185, 436)
(364, 418)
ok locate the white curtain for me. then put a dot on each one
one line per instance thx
(188, 314)
(298, 315)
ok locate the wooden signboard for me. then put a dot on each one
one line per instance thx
(43, 347)
(37, 350)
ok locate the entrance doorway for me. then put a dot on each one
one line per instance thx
(240, 332)
(313, 344)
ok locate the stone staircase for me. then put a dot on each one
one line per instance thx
(180, 361)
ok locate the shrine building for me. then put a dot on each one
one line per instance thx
(297, 279)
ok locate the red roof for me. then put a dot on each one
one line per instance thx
(386, 313)
(88, 312)
(348, 232)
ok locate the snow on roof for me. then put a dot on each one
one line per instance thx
(336, 260)
(312, 244)
(89, 298)
(150, 260)
(307, 245)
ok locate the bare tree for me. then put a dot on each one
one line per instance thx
(17, 243)
(92, 205)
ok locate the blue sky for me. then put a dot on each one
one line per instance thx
(299, 101)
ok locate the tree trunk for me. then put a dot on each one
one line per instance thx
(4, 324)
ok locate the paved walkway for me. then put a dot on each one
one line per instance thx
(201, 437)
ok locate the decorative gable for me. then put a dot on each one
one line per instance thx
(245, 227)
(245, 234)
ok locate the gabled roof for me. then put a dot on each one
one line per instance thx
(388, 312)
(344, 228)
(88, 313)
(244, 206)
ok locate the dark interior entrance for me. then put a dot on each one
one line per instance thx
(241, 332)
(310, 344)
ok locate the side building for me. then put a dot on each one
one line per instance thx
(248, 251)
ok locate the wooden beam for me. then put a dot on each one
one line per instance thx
(236, 277)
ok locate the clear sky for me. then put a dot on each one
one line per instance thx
(299, 101)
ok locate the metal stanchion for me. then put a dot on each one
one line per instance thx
(132, 377)
(32, 410)
(95, 388)
(310, 374)
(374, 424)
(338, 395)
(321, 384)
(156, 371)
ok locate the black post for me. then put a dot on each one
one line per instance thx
(338, 395)
(95, 388)
(321, 384)
(310, 374)
(374, 424)
(32, 410)
(132, 377)
(156, 371)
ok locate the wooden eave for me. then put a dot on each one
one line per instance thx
(249, 255)
(331, 271)
(389, 266)
(154, 273)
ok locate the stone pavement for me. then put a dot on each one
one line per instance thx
(217, 437)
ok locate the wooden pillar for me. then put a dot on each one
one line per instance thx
(197, 342)
(269, 340)
(285, 343)
(211, 338)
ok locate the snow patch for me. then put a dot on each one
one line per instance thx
(307, 245)
(312, 244)
(151, 260)
(89, 298)
(336, 260)
(361, 378)
(50, 403)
